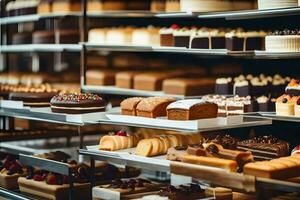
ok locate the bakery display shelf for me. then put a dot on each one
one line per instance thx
(276, 55)
(212, 175)
(40, 48)
(36, 17)
(273, 116)
(247, 122)
(131, 92)
(12, 195)
(122, 13)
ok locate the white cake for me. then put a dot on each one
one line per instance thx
(97, 36)
(119, 36)
(273, 4)
(146, 36)
(283, 43)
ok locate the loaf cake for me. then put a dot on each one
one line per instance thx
(128, 106)
(125, 79)
(153, 107)
(283, 41)
(158, 6)
(280, 168)
(146, 36)
(189, 86)
(119, 36)
(172, 5)
(67, 36)
(100, 77)
(97, 35)
(66, 6)
(43, 37)
(22, 38)
(265, 147)
(77, 103)
(191, 109)
(44, 7)
(106, 5)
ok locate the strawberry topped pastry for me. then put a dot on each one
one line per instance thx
(285, 105)
(10, 171)
(77, 103)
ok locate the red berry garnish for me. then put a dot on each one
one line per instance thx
(285, 100)
(298, 101)
(38, 177)
(174, 27)
(121, 133)
(51, 179)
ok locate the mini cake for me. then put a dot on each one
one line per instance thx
(119, 36)
(263, 104)
(121, 140)
(188, 86)
(293, 88)
(22, 38)
(241, 88)
(103, 5)
(67, 36)
(207, 39)
(97, 36)
(205, 5)
(10, 171)
(263, 4)
(119, 189)
(146, 36)
(239, 40)
(97, 77)
(172, 5)
(43, 37)
(66, 6)
(128, 106)
(158, 6)
(182, 37)
(265, 147)
(44, 7)
(283, 41)
(77, 103)
(33, 99)
(166, 36)
(285, 105)
(153, 107)
(180, 192)
(191, 109)
(224, 86)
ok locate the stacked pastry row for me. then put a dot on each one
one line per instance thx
(143, 189)
(287, 40)
(62, 36)
(153, 107)
(251, 85)
(178, 81)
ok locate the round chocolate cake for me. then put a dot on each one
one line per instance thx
(33, 99)
(77, 103)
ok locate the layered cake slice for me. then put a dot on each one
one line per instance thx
(285, 105)
(265, 147)
(166, 36)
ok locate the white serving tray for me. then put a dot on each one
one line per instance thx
(13, 104)
(74, 118)
(177, 124)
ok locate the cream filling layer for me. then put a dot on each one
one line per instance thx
(78, 108)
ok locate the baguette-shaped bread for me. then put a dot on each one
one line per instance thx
(281, 168)
(229, 165)
(160, 145)
(115, 142)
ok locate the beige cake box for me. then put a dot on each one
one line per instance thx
(43, 191)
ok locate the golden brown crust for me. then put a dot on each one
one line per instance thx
(100, 77)
(128, 106)
(151, 103)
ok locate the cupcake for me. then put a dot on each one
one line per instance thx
(263, 103)
(285, 105)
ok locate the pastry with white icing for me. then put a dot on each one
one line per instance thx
(191, 109)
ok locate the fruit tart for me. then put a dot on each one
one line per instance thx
(44, 185)
(10, 171)
(285, 105)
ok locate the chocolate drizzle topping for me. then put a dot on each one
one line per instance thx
(76, 97)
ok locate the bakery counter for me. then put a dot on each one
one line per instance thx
(213, 175)
(8, 194)
(40, 48)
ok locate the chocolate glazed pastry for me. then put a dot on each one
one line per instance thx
(77, 103)
(33, 99)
